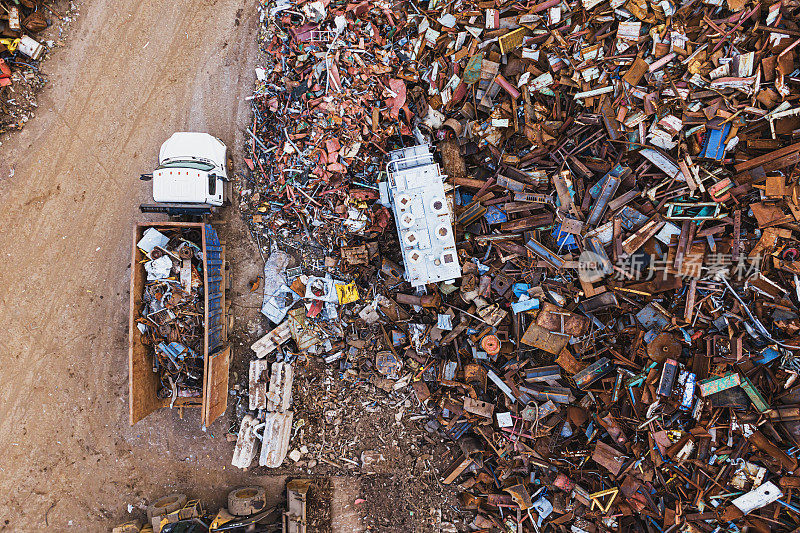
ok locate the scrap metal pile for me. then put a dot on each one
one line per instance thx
(172, 312)
(619, 347)
(20, 51)
(246, 511)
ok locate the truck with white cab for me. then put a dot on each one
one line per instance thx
(192, 176)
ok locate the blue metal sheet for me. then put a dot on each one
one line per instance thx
(616, 172)
(767, 355)
(566, 240)
(214, 265)
(494, 215)
(631, 218)
(714, 143)
(652, 318)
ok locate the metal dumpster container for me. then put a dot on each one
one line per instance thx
(143, 382)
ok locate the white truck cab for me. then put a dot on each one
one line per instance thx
(192, 172)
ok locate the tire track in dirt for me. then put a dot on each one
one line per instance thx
(134, 71)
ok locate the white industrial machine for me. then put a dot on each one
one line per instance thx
(415, 192)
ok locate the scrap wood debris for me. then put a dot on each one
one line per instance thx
(611, 340)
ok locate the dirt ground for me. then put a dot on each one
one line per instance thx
(134, 71)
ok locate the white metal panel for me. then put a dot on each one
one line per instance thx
(180, 185)
(275, 439)
(758, 497)
(422, 214)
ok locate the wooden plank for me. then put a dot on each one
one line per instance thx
(683, 239)
(623, 199)
(608, 457)
(644, 234)
(782, 162)
(258, 381)
(690, 299)
(142, 381)
(766, 158)
(737, 235)
(470, 183)
(637, 71)
(216, 397)
(522, 207)
(279, 395)
(270, 342)
(526, 223)
(456, 468)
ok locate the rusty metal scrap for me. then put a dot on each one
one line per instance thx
(171, 316)
(622, 178)
(20, 54)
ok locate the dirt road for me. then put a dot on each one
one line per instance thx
(134, 72)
